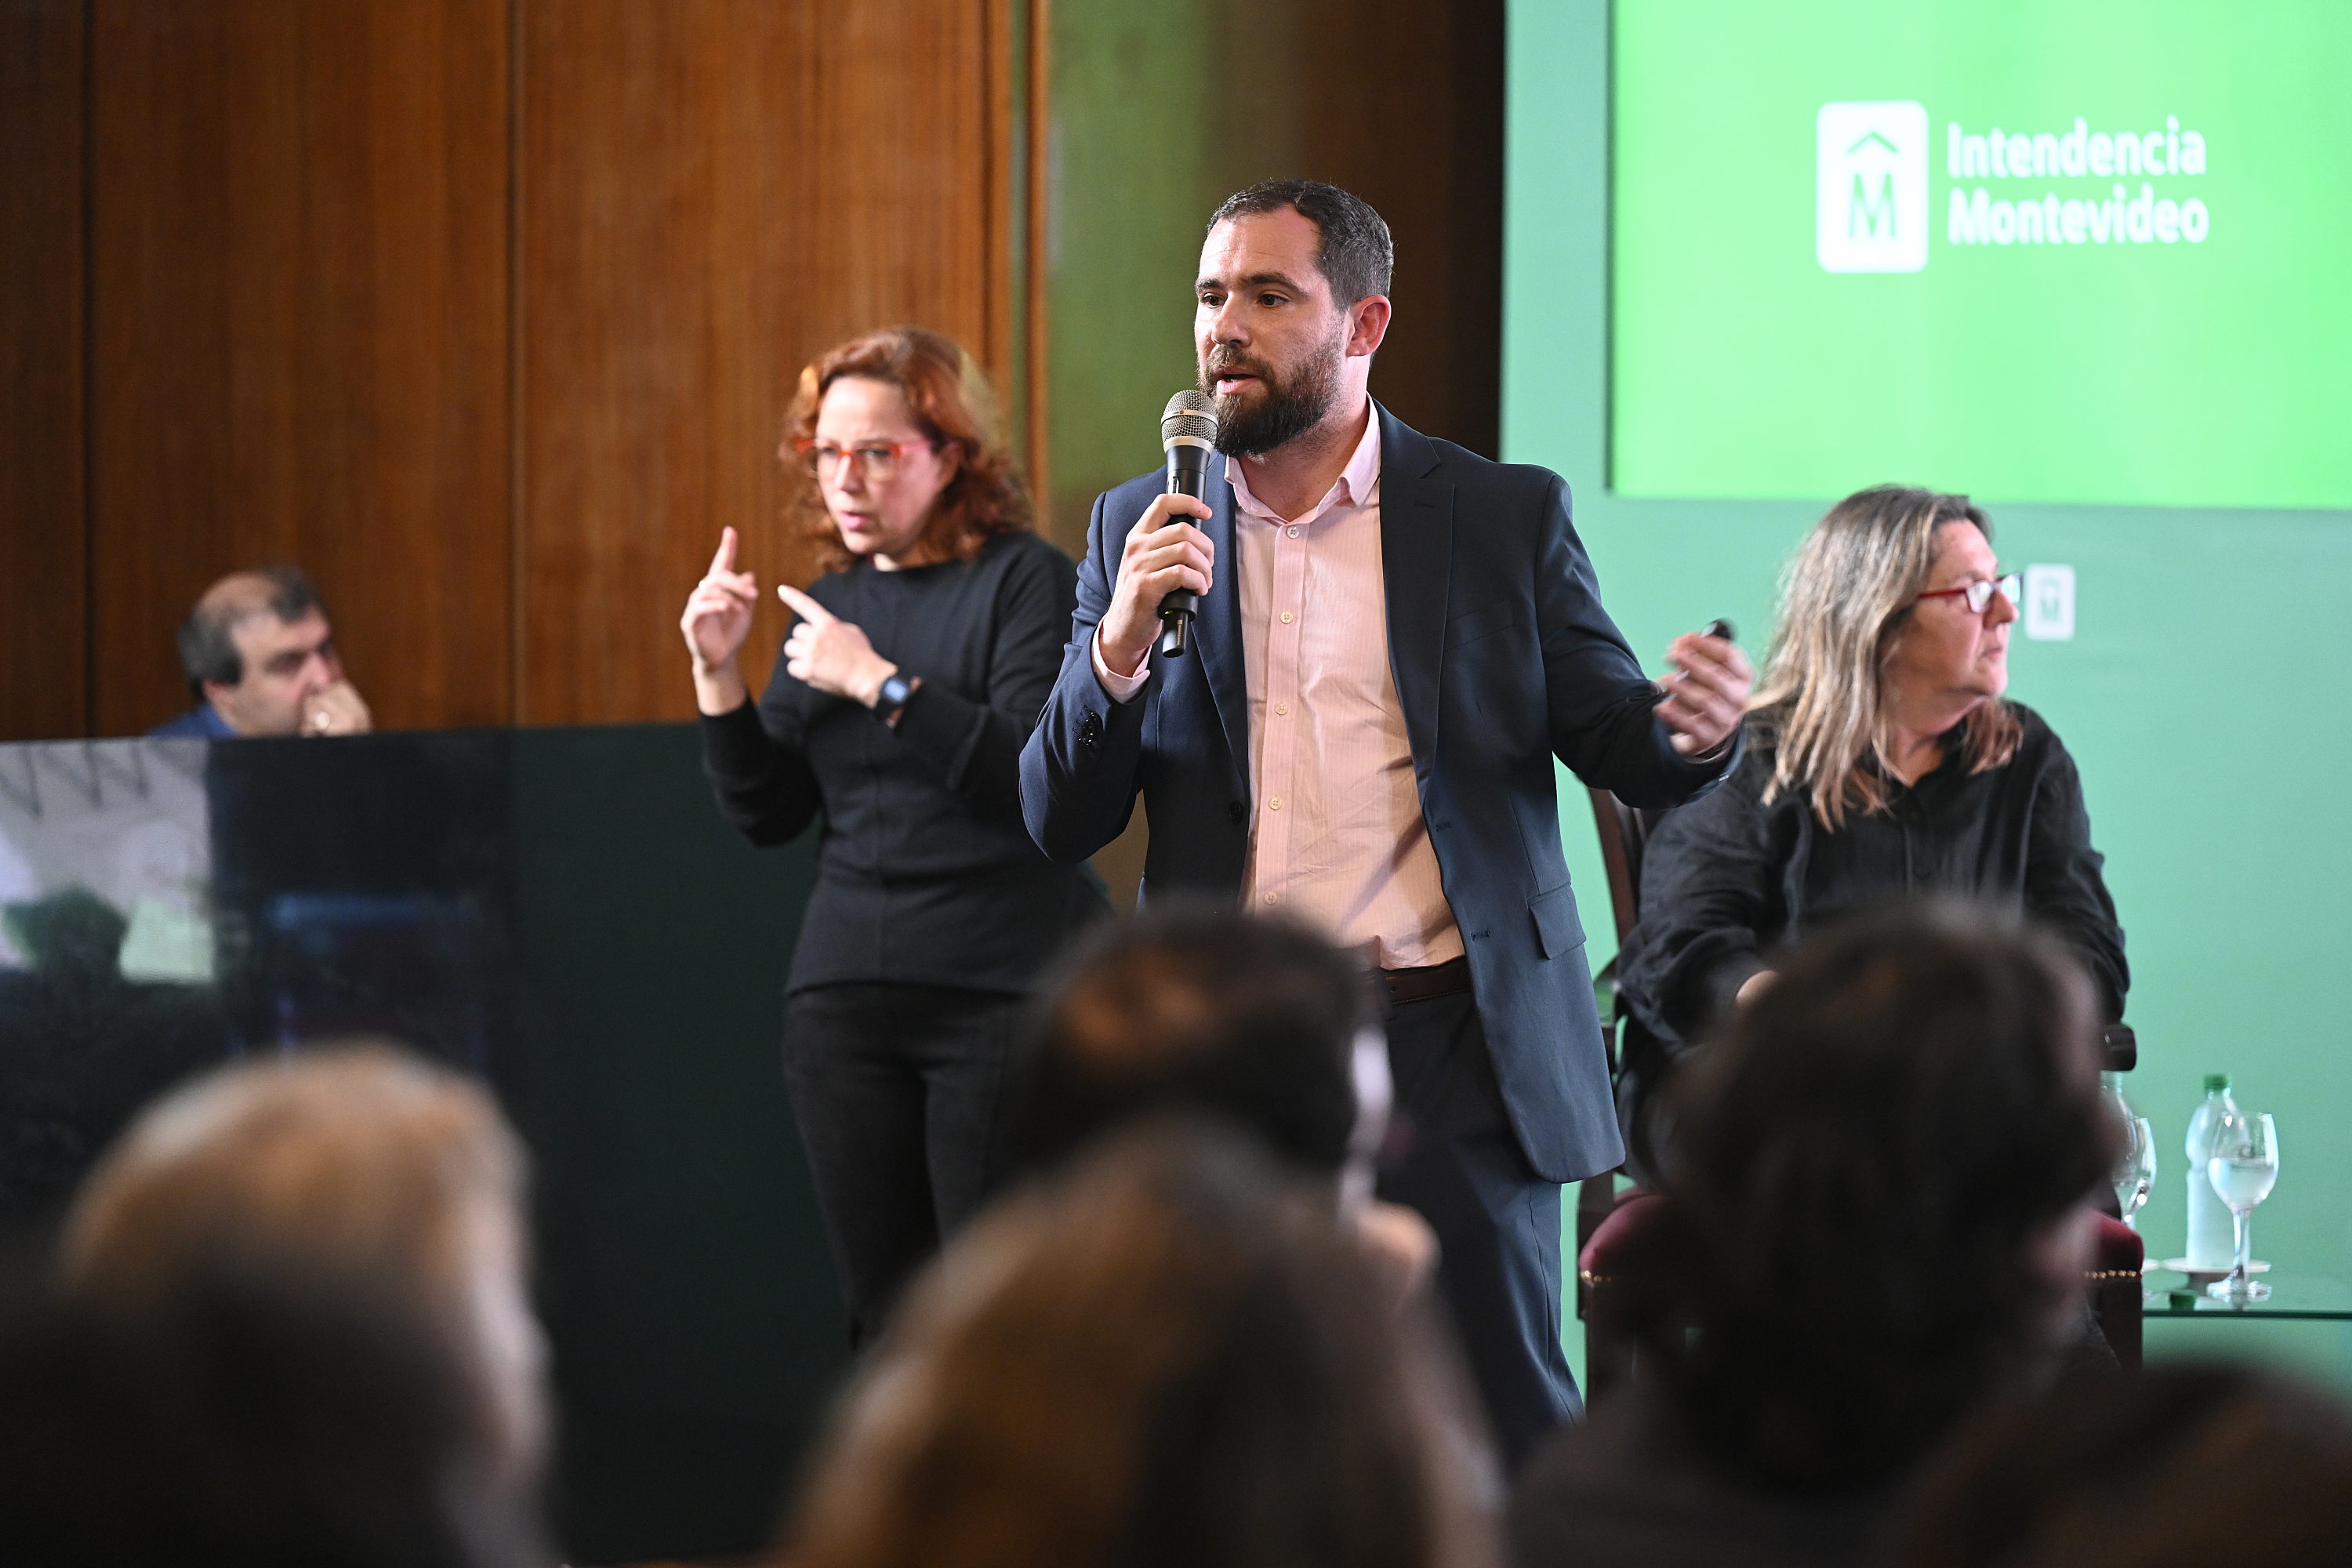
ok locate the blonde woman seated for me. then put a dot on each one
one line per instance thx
(1882, 761)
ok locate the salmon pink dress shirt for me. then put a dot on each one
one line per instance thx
(1337, 838)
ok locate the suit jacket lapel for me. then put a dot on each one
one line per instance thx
(1417, 559)
(1217, 631)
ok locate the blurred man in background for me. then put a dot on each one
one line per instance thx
(260, 657)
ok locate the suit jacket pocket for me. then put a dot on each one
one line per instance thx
(1557, 929)
(1472, 625)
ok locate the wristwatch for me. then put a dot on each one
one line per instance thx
(891, 700)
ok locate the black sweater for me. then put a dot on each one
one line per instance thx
(1727, 879)
(925, 873)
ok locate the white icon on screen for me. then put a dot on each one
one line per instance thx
(2050, 604)
(1870, 186)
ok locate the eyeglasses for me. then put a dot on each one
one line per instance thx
(876, 460)
(1980, 592)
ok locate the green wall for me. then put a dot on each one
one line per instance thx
(2200, 695)
(1128, 179)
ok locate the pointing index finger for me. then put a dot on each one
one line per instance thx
(808, 609)
(725, 560)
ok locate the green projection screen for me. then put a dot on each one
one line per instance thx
(2077, 250)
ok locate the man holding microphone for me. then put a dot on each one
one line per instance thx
(1394, 640)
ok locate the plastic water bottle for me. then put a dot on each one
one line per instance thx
(2111, 1089)
(2212, 1242)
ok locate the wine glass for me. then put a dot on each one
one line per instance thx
(2134, 1172)
(2242, 1162)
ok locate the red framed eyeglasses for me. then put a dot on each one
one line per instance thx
(876, 460)
(2011, 585)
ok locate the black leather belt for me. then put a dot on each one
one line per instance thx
(1445, 979)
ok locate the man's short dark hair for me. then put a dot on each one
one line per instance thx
(1355, 257)
(1252, 1022)
(207, 646)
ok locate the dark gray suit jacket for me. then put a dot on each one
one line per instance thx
(1503, 659)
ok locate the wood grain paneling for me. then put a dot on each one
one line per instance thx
(44, 625)
(712, 192)
(300, 335)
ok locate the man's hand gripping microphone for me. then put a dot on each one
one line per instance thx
(1188, 432)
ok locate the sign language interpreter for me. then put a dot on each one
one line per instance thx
(893, 723)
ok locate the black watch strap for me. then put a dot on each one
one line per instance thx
(891, 700)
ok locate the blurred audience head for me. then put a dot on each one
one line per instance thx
(1855, 645)
(300, 1288)
(943, 460)
(1171, 1355)
(1258, 1022)
(2185, 1463)
(258, 648)
(1880, 1189)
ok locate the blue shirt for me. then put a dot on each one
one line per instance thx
(203, 720)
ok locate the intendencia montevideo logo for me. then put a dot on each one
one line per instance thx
(2115, 216)
(1870, 195)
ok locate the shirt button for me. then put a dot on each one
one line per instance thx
(1286, 617)
(1275, 805)
(1282, 710)
(1294, 533)
(1273, 898)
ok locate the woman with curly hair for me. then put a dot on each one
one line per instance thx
(896, 717)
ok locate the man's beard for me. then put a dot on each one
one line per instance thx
(1252, 427)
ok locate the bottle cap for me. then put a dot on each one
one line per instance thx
(2217, 1083)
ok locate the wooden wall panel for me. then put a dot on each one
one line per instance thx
(712, 192)
(300, 335)
(44, 624)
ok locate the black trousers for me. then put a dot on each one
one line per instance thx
(898, 1094)
(1497, 1222)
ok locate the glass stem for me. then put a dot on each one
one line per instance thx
(2239, 1219)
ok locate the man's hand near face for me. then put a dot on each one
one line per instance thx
(336, 709)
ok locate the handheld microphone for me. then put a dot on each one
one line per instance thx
(1188, 432)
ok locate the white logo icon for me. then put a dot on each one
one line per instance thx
(1870, 187)
(2050, 604)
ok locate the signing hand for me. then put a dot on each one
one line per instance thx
(1164, 553)
(831, 654)
(1706, 693)
(718, 618)
(336, 709)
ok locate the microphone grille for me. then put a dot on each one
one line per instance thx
(1188, 413)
